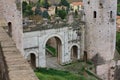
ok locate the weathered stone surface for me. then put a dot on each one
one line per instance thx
(17, 67)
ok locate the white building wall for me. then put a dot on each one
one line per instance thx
(38, 39)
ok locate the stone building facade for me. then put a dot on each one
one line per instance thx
(36, 38)
(100, 34)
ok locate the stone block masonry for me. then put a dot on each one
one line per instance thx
(13, 66)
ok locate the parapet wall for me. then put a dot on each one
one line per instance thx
(12, 64)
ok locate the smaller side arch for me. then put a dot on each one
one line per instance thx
(33, 54)
(32, 51)
(73, 53)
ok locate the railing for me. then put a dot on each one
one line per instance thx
(3, 66)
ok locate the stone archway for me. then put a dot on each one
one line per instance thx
(74, 53)
(53, 51)
(32, 60)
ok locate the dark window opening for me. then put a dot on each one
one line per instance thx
(88, 2)
(111, 13)
(95, 14)
(10, 29)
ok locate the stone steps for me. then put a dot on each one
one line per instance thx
(18, 68)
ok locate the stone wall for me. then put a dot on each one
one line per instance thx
(9, 12)
(100, 33)
(100, 28)
(35, 42)
(13, 63)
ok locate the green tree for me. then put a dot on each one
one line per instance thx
(62, 14)
(64, 3)
(118, 7)
(45, 14)
(37, 10)
(118, 1)
(24, 6)
(44, 3)
(28, 10)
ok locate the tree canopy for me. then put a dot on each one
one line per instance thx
(64, 3)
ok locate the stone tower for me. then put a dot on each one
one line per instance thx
(11, 16)
(100, 18)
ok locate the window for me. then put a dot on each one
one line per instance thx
(111, 14)
(10, 28)
(88, 2)
(94, 14)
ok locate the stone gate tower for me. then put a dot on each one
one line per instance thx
(100, 18)
(11, 16)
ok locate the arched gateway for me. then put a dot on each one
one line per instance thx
(53, 51)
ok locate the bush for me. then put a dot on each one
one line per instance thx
(62, 14)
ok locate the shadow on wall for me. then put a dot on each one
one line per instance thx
(117, 73)
(98, 60)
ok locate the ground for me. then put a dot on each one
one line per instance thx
(73, 71)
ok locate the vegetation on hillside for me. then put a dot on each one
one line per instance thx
(118, 7)
(118, 41)
(26, 9)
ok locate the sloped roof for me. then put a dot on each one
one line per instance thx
(77, 3)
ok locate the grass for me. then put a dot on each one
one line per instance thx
(53, 51)
(52, 74)
(74, 71)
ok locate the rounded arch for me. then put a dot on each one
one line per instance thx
(32, 58)
(50, 36)
(74, 44)
(59, 47)
(29, 52)
(74, 52)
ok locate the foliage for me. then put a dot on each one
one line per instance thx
(52, 74)
(27, 9)
(53, 50)
(62, 13)
(118, 41)
(64, 3)
(24, 5)
(44, 3)
(37, 10)
(45, 14)
(118, 8)
(118, 1)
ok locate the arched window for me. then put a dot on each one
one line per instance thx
(94, 14)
